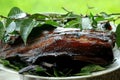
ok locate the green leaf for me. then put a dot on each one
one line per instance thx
(118, 35)
(11, 27)
(53, 23)
(26, 28)
(79, 19)
(71, 24)
(83, 73)
(89, 69)
(104, 14)
(16, 13)
(70, 15)
(10, 31)
(92, 68)
(69, 72)
(8, 64)
(18, 24)
(39, 69)
(99, 18)
(56, 74)
(39, 16)
(7, 22)
(2, 30)
(93, 21)
(74, 24)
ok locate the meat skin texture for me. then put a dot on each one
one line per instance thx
(86, 46)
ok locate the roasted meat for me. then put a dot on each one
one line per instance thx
(63, 45)
(87, 46)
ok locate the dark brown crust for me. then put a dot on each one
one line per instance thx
(88, 46)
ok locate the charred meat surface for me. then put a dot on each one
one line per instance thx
(63, 47)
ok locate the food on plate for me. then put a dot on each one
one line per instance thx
(42, 48)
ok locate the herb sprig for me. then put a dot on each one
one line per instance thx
(19, 23)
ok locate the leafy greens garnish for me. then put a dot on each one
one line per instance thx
(26, 28)
(38, 70)
(19, 23)
(89, 69)
(93, 21)
(1, 30)
(118, 35)
(8, 64)
(16, 13)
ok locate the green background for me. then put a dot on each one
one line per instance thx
(77, 6)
